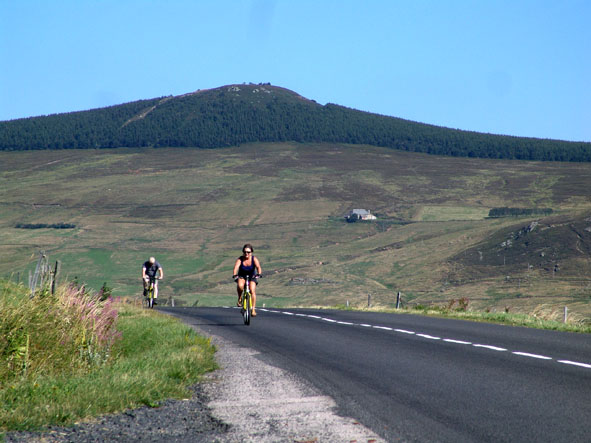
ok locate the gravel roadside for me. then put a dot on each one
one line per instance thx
(274, 406)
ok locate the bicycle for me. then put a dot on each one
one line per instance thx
(246, 307)
(149, 298)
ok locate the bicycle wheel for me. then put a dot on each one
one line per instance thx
(246, 306)
(151, 297)
(249, 307)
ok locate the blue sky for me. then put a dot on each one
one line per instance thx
(516, 67)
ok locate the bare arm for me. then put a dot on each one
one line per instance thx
(236, 267)
(258, 265)
(161, 272)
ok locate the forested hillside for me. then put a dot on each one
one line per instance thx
(236, 114)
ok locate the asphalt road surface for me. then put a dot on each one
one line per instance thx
(414, 378)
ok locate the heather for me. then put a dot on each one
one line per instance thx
(72, 356)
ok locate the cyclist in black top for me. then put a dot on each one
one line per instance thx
(247, 264)
(150, 269)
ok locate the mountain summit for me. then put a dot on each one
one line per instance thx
(235, 114)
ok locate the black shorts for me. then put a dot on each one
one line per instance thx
(252, 278)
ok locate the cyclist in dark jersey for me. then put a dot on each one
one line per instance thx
(247, 264)
(150, 269)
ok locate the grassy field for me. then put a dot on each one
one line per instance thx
(193, 210)
(61, 376)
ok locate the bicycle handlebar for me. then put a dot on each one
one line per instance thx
(236, 277)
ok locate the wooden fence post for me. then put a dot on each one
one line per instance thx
(56, 272)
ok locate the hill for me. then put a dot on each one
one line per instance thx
(103, 212)
(238, 114)
(554, 246)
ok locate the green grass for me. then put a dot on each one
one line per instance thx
(156, 358)
(507, 318)
(447, 213)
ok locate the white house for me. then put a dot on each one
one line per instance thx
(359, 214)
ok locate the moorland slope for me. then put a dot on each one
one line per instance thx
(238, 114)
(194, 208)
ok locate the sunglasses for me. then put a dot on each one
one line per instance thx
(247, 252)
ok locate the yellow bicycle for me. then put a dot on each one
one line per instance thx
(149, 298)
(246, 309)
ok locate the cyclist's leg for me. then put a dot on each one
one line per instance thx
(155, 289)
(145, 281)
(240, 289)
(253, 294)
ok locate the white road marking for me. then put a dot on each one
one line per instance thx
(404, 331)
(526, 354)
(459, 342)
(431, 337)
(575, 363)
(493, 348)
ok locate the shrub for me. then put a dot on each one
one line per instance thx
(105, 292)
(517, 212)
(45, 226)
(462, 304)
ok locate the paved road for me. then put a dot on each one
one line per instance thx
(413, 378)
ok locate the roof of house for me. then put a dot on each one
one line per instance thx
(359, 212)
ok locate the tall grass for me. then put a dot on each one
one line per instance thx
(48, 334)
(71, 357)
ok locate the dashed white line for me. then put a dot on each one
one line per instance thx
(527, 354)
(574, 363)
(431, 337)
(459, 342)
(404, 331)
(492, 348)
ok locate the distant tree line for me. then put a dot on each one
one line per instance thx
(44, 226)
(517, 212)
(254, 113)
